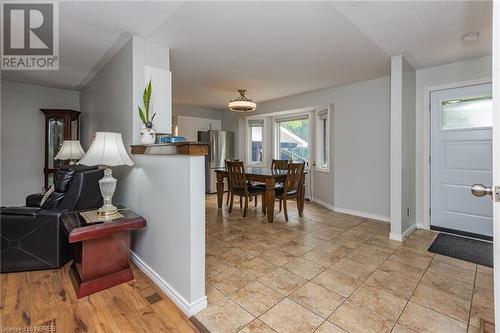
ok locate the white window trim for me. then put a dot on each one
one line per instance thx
(319, 140)
(248, 144)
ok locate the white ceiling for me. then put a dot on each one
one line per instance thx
(273, 49)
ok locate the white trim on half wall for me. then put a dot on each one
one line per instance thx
(404, 235)
(190, 309)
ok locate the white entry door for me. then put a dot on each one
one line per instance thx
(461, 155)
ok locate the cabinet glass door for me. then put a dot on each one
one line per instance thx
(55, 141)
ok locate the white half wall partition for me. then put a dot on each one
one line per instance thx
(169, 191)
(402, 148)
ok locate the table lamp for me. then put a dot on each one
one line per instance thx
(108, 150)
(70, 150)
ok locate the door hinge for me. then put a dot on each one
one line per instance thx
(429, 212)
(408, 211)
(429, 159)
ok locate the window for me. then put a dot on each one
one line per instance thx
(322, 140)
(467, 113)
(293, 139)
(255, 136)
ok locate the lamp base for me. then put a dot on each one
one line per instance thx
(107, 210)
(107, 184)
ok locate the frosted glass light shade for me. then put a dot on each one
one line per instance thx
(106, 149)
(70, 150)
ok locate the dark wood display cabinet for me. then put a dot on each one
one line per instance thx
(60, 125)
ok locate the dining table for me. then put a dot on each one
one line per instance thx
(267, 176)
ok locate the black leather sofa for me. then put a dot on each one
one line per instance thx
(31, 237)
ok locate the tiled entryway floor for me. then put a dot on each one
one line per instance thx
(330, 272)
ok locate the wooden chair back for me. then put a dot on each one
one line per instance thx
(225, 166)
(279, 165)
(293, 177)
(236, 175)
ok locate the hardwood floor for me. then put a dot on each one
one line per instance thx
(47, 298)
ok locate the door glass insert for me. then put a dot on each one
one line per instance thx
(467, 113)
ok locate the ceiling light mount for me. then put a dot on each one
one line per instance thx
(470, 37)
(242, 103)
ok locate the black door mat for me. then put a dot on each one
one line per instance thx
(471, 250)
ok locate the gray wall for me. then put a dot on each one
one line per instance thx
(359, 179)
(454, 74)
(107, 99)
(22, 137)
(195, 111)
(231, 122)
(408, 147)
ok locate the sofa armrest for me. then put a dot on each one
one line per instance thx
(34, 200)
(24, 211)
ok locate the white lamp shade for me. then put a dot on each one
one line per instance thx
(70, 150)
(106, 149)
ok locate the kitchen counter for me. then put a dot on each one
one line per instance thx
(176, 148)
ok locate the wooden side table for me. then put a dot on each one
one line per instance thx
(100, 251)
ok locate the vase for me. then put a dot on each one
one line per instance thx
(148, 136)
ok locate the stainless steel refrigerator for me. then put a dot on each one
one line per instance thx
(220, 148)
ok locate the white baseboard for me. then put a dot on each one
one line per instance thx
(324, 204)
(353, 212)
(402, 237)
(189, 309)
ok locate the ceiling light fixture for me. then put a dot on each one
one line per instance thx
(470, 37)
(242, 104)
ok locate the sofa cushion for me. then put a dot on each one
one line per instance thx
(62, 179)
(53, 200)
(47, 195)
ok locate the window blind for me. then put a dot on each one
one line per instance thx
(256, 122)
(301, 117)
(323, 114)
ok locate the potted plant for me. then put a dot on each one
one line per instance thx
(148, 134)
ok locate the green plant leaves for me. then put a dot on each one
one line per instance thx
(146, 99)
(141, 115)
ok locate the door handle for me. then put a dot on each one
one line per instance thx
(479, 190)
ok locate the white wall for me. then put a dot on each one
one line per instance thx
(402, 147)
(435, 78)
(358, 182)
(22, 137)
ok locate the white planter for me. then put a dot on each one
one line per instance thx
(148, 136)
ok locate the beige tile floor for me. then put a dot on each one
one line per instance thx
(328, 272)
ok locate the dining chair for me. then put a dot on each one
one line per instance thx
(240, 187)
(292, 187)
(228, 187)
(277, 166)
(228, 182)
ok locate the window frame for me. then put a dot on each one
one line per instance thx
(290, 117)
(323, 141)
(249, 160)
